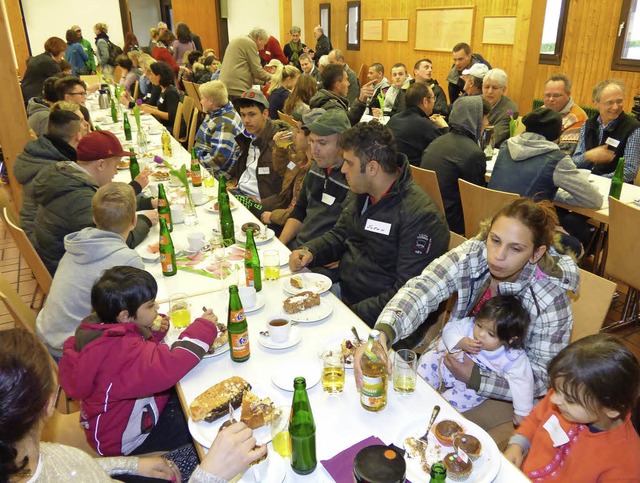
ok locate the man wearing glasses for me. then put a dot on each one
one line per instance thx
(86, 46)
(72, 89)
(557, 97)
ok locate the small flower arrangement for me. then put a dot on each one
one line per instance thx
(181, 173)
(513, 123)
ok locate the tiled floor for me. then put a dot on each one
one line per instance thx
(13, 269)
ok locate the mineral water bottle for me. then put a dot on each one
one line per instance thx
(302, 430)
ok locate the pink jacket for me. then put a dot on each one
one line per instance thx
(121, 372)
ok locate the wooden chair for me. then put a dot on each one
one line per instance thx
(117, 74)
(363, 74)
(591, 305)
(480, 203)
(65, 429)
(456, 240)
(623, 255)
(40, 272)
(193, 129)
(91, 79)
(287, 118)
(428, 181)
(188, 105)
(192, 91)
(16, 307)
(177, 124)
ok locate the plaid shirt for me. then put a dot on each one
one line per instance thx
(464, 270)
(215, 144)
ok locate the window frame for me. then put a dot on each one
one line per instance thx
(354, 4)
(617, 62)
(327, 7)
(556, 57)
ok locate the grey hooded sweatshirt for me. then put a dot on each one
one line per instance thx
(88, 253)
(38, 114)
(457, 155)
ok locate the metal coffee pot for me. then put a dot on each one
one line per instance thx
(104, 99)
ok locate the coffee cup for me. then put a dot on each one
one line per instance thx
(279, 327)
(258, 472)
(198, 196)
(153, 189)
(248, 296)
(177, 213)
(196, 241)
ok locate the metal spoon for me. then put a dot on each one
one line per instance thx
(355, 333)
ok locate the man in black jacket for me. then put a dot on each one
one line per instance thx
(388, 232)
(423, 72)
(463, 59)
(323, 44)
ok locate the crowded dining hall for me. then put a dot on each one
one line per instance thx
(320, 241)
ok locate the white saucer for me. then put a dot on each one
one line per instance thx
(276, 472)
(147, 255)
(260, 301)
(285, 374)
(295, 336)
(241, 237)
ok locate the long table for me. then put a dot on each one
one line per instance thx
(340, 420)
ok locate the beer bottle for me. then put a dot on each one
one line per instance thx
(127, 127)
(438, 473)
(226, 221)
(222, 186)
(617, 180)
(302, 430)
(237, 327)
(164, 210)
(166, 144)
(167, 252)
(134, 167)
(196, 172)
(252, 263)
(114, 111)
(373, 394)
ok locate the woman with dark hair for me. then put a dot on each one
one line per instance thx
(130, 42)
(129, 74)
(162, 53)
(166, 107)
(183, 44)
(305, 88)
(41, 67)
(207, 71)
(75, 54)
(27, 400)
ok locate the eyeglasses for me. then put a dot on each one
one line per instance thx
(83, 93)
(553, 96)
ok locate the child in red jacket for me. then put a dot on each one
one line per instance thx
(582, 429)
(122, 374)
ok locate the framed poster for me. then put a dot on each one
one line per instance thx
(398, 29)
(439, 29)
(499, 30)
(372, 30)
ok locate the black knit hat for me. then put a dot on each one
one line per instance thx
(544, 121)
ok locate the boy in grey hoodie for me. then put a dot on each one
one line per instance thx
(88, 253)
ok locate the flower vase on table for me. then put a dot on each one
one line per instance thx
(190, 215)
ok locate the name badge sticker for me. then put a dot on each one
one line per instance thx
(380, 227)
(161, 100)
(264, 170)
(614, 143)
(291, 165)
(558, 436)
(328, 199)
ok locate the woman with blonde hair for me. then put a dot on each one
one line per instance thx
(102, 47)
(281, 87)
(298, 102)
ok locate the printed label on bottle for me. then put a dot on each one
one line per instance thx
(162, 202)
(196, 177)
(248, 273)
(165, 260)
(163, 240)
(167, 218)
(372, 392)
(240, 344)
(236, 316)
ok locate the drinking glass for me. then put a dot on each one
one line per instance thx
(180, 310)
(332, 372)
(271, 264)
(405, 363)
(280, 431)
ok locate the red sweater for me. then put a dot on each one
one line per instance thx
(120, 373)
(164, 55)
(272, 50)
(607, 456)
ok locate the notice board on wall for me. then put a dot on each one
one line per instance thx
(439, 29)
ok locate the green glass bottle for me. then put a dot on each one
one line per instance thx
(134, 167)
(167, 251)
(222, 186)
(252, 263)
(114, 111)
(237, 327)
(226, 221)
(127, 127)
(97, 128)
(617, 180)
(164, 209)
(438, 473)
(196, 172)
(302, 430)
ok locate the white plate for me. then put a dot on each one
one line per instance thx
(313, 282)
(285, 374)
(485, 468)
(147, 255)
(295, 336)
(241, 237)
(334, 343)
(260, 301)
(210, 206)
(173, 333)
(276, 472)
(314, 314)
(204, 433)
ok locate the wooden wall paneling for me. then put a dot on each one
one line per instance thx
(14, 134)
(18, 35)
(286, 21)
(202, 19)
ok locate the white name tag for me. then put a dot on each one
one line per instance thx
(614, 143)
(328, 199)
(161, 100)
(291, 165)
(558, 436)
(378, 227)
(263, 170)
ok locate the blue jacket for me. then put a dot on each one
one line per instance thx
(76, 56)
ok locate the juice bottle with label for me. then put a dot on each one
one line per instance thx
(373, 394)
(164, 210)
(167, 251)
(252, 263)
(196, 171)
(237, 327)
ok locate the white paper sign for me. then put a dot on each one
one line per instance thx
(264, 170)
(291, 165)
(558, 436)
(378, 227)
(328, 199)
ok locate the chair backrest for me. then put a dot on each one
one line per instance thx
(40, 272)
(591, 305)
(136, 90)
(362, 74)
(480, 203)
(428, 181)
(192, 91)
(623, 252)
(455, 240)
(177, 123)
(117, 74)
(287, 118)
(91, 79)
(193, 129)
(18, 309)
(520, 127)
(187, 108)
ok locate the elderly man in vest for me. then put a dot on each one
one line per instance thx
(557, 97)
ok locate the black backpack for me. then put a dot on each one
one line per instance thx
(114, 52)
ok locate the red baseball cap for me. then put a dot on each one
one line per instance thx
(100, 145)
